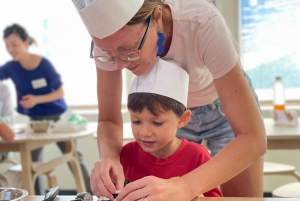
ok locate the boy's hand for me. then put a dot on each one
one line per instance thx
(107, 177)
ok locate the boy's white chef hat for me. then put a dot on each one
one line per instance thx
(165, 78)
(105, 17)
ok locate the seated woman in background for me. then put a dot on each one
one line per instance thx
(38, 86)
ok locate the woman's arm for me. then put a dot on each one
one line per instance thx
(107, 175)
(29, 101)
(246, 122)
(109, 91)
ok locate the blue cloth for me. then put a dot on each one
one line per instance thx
(23, 79)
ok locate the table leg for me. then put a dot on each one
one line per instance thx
(27, 182)
(70, 148)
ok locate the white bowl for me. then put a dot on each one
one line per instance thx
(12, 194)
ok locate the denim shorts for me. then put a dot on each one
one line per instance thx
(209, 122)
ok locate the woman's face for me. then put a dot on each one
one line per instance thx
(15, 46)
(127, 40)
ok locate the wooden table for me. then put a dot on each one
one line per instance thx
(28, 141)
(282, 137)
(68, 198)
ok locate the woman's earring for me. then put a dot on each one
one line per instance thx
(161, 39)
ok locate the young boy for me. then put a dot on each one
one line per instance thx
(157, 104)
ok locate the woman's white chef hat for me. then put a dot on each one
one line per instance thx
(164, 78)
(105, 17)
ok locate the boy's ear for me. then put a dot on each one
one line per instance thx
(184, 119)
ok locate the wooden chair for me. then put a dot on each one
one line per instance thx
(281, 169)
(10, 159)
(291, 190)
(51, 177)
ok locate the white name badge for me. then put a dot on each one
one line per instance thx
(39, 83)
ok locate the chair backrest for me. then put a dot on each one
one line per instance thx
(7, 157)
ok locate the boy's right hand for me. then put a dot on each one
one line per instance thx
(107, 177)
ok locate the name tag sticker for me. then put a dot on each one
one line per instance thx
(39, 83)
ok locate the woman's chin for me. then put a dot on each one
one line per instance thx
(137, 73)
(141, 69)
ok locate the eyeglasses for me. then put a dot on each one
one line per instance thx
(109, 57)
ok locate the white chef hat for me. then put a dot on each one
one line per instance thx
(164, 78)
(105, 17)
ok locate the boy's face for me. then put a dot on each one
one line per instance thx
(156, 134)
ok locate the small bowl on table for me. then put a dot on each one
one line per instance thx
(12, 194)
(41, 126)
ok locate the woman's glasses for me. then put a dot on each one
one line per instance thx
(109, 57)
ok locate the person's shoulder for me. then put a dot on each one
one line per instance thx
(9, 64)
(39, 60)
(129, 149)
(197, 151)
(130, 146)
(43, 60)
(46, 64)
(199, 11)
(195, 147)
(10, 67)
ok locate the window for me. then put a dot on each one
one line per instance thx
(62, 38)
(270, 45)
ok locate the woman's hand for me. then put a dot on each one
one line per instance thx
(107, 176)
(28, 101)
(155, 189)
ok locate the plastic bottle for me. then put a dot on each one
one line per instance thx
(278, 94)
